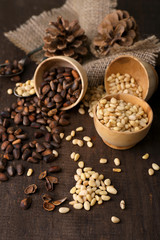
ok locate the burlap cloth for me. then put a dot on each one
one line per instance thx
(89, 13)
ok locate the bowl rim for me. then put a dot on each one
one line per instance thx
(137, 60)
(119, 132)
(76, 65)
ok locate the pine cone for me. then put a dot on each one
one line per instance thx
(117, 29)
(64, 38)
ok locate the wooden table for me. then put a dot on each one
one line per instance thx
(141, 219)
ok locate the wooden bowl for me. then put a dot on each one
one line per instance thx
(144, 74)
(61, 61)
(123, 140)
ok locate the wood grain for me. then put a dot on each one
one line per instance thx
(140, 220)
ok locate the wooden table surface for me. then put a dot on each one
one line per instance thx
(141, 219)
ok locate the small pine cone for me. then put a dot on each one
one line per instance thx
(64, 38)
(117, 29)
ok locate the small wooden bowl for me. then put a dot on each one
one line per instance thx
(144, 74)
(123, 140)
(61, 61)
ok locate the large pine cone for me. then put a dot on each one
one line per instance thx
(64, 38)
(117, 29)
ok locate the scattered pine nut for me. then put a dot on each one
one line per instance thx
(106, 198)
(115, 219)
(150, 171)
(48, 129)
(81, 111)
(76, 157)
(64, 209)
(29, 172)
(74, 141)
(107, 182)
(89, 144)
(10, 91)
(145, 156)
(117, 161)
(117, 170)
(81, 164)
(78, 206)
(79, 129)
(80, 143)
(73, 133)
(68, 138)
(155, 166)
(55, 153)
(111, 190)
(122, 204)
(103, 160)
(72, 155)
(61, 135)
(86, 139)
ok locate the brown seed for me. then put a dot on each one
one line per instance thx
(52, 112)
(54, 144)
(49, 158)
(46, 198)
(46, 152)
(56, 138)
(26, 203)
(32, 160)
(49, 185)
(15, 78)
(54, 169)
(11, 137)
(10, 130)
(4, 137)
(3, 164)
(17, 141)
(59, 202)
(32, 108)
(48, 206)
(39, 147)
(45, 89)
(18, 118)
(58, 130)
(25, 146)
(3, 177)
(16, 153)
(4, 145)
(36, 155)
(75, 73)
(18, 131)
(31, 118)
(19, 109)
(25, 111)
(2, 129)
(9, 148)
(58, 98)
(20, 169)
(53, 179)
(41, 121)
(46, 145)
(26, 154)
(42, 175)
(33, 144)
(38, 134)
(26, 121)
(11, 171)
(35, 125)
(8, 156)
(6, 123)
(64, 122)
(48, 137)
(30, 189)
(22, 136)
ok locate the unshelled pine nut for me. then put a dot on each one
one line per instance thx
(111, 190)
(29, 172)
(68, 138)
(122, 204)
(155, 166)
(145, 156)
(89, 144)
(117, 170)
(79, 129)
(55, 153)
(81, 164)
(103, 160)
(64, 209)
(86, 139)
(115, 219)
(150, 171)
(117, 161)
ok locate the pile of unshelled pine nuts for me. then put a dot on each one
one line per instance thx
(124, 83)
(122, 116)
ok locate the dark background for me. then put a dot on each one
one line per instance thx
(141, 192)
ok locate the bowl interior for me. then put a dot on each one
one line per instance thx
(132, 66)
(58, 62)
(134, 100)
